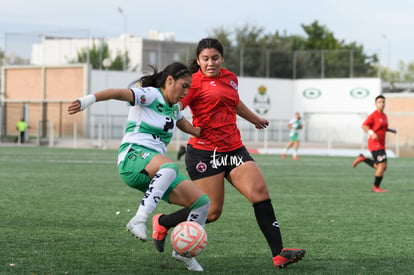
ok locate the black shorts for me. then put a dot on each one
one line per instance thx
(379, 156)
(202, 164)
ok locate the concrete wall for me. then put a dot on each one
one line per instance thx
(41, 95)
(333, 109)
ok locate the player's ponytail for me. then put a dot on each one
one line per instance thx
(157, 79)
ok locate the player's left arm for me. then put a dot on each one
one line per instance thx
(391, 130)
(243, 111)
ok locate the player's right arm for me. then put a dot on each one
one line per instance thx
(84, 102)
(366, 126)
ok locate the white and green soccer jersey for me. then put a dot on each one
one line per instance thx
(151, 121)
(295, 125)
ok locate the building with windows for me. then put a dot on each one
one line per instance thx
(159, 49)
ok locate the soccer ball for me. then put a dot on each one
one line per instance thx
(189, 239)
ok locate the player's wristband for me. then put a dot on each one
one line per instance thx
(86, 101)
(370, 132)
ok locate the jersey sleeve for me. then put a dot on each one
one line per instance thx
(369, 121)
(144, 96)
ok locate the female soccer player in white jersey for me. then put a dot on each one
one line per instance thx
(294, 125)
(142, 164)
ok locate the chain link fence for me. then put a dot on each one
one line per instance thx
(23, 48)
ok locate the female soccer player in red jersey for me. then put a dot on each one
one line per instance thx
(219, 154)
(376, 125)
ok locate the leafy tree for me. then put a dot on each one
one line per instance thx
(405, 73)
(330, 57)
(1, 57)
(319, 54)
(98, 54)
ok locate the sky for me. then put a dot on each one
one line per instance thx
(382, 27)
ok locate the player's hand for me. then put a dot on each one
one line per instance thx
(197, 131)
(262, 124)
(74, 107)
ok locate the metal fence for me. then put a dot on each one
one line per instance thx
(249, 62)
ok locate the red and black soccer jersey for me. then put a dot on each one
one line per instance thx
(378, 123)
(213, 102)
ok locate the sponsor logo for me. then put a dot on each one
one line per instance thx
(219, 160)
(359, 93)
(311, 93)
(233, 84)
(275, 224)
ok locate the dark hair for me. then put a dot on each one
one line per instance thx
(157, 79)
(378, 97)
(205, 43)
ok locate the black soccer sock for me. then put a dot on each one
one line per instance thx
(377, 181)
(265, 217)
(370, 162)
(171, 220)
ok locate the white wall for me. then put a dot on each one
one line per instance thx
(332, 109)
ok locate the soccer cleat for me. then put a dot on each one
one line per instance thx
(191, 263)
(288, 256)
(138, 229)
(181, 152)
(159, 233)
(295, 157)
(359, 159)
(378, 189)
(283, 156)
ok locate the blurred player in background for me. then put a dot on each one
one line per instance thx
(376, 125)
(142, 164)
(219, 154)
(294, 125)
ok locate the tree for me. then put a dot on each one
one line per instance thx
(405, 73)
(1, 57)
(319, 54)
(98, 54)
(330, 57)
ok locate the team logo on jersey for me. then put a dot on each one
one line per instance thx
(213, 83)
(233, 84)
(142, 99)
(201, 167)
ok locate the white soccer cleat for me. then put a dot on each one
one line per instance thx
(191, 263)
(138, 229)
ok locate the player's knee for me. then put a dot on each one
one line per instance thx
(259, 193)
(213, 215)
(171, 165)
